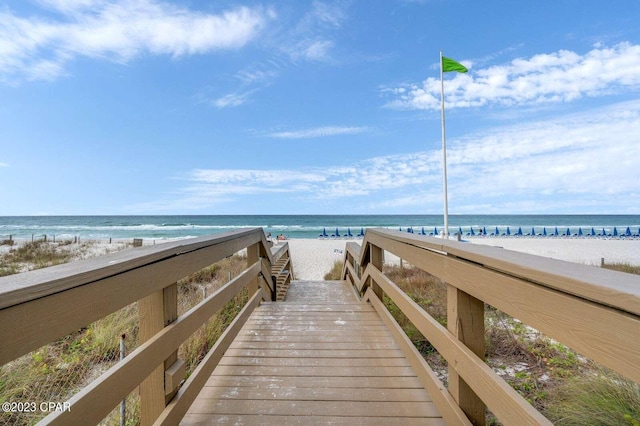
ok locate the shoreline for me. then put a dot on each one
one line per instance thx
(312, 258)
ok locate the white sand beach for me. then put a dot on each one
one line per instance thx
(312, 258)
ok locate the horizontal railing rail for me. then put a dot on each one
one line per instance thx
(591, 310)
(41, 306)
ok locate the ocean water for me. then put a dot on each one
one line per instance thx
(299, 226)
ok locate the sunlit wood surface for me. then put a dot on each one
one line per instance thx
(319, 357)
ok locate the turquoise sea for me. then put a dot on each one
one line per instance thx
(301, 226)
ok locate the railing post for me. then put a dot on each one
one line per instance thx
(376, 258)
(465, 319)
(253, 255)
(155, 312)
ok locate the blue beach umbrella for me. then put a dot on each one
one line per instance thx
(459, 230)
(508, 231)
(604, 233)
(593, 231)
(544, 231)
(435, 231)
(422, 232)
(472, 233)
(497, 232)
(627, 232)
(615, 231)
(568, 232)
(337, 233)
(533, 231)
(484, 231)
(519, 231)
(580, 232)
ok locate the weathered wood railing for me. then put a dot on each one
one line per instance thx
(41, 306)
(594, 311)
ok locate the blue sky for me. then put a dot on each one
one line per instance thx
(318, 107)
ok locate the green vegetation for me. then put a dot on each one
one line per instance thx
(336, 271)
(597, 398)
(35, 255)
(623, 267)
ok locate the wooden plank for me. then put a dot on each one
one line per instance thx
(21, 288)
(151, 321)
(316, 394)
(352, 319)
(333, 337)
(465, 320)
(315, 345)
(317, 353)
(404, 382)
(315, 362)
(600, 285)
(258, 370)
(305, 420)
(334, 408)
(315, 316)
(340, 330)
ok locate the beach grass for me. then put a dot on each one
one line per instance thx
(623, 267)
(336, 271)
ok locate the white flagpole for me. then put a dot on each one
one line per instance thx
(444, 155)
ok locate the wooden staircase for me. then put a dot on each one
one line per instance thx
(282, 272)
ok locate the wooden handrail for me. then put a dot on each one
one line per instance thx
(96, 400)
(41, 306)
(575, 304)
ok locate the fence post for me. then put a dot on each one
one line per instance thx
(465, 319)
(155, 312)
(253, 255)
(376, 258)
(123, 403)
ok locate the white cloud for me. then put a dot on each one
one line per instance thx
(3, 164)
(233, 99)
(575, 163)
(319, 132)
(561, 76)
(40, 48)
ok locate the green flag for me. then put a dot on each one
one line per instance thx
(449, 64)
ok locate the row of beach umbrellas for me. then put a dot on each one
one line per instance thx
(554, 233)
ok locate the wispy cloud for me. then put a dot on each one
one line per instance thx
(320, 132)
(574, 163)
(3, 164)
(40, 47)
(561, 76)
(233, 99)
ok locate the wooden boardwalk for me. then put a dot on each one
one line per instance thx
(319, 357)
